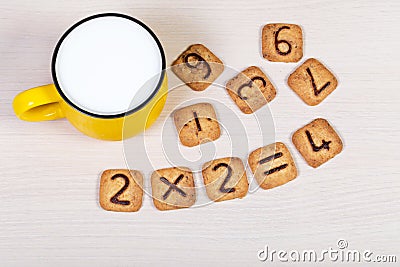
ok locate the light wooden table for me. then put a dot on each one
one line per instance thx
(49, 212)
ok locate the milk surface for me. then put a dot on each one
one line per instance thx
(104, 63)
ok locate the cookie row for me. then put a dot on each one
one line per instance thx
(251, 89)
(225, 178)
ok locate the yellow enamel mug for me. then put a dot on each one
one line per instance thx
(109, 79)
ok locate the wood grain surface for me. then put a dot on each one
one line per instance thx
(49, 211)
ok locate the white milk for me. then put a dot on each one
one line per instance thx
(103, 63)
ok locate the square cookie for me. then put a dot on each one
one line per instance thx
(251, 89)
(198, 67)
(312, 81)
(282, 42)
(197, 124)
(317, 142)
(173, 188)
(272, 165)
(225, 179)
(121, 190)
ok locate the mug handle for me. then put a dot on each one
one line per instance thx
(39, 104)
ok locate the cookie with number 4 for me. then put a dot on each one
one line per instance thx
(317, 142)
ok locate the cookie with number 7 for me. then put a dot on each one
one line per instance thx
(312, 82)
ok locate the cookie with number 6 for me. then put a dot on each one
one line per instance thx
(282, 42)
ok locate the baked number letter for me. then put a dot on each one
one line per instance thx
(115, 199)
(222, 188)
(278, 42)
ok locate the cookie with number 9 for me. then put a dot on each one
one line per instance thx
(197, 67)
(282, 42)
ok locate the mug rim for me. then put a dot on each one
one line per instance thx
(109, 116)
